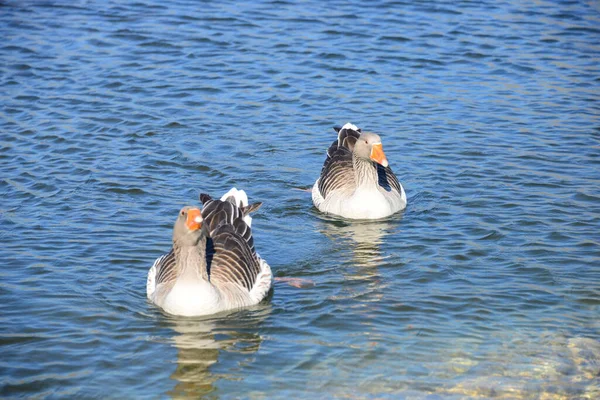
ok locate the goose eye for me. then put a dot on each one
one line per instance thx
(182, 212)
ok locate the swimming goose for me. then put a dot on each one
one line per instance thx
(212, 266)
(356, 181)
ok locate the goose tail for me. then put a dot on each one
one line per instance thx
(241, 200)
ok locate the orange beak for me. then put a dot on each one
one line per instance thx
(194, 219)
(378, 155)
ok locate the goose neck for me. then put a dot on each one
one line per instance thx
(192, 261)
(365, 171)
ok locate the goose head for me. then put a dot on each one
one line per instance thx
(188, 227)
(368, 146)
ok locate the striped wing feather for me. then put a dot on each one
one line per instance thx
(217, 212)
(231, 254)
(234, 261)
(166, 270)
(338, 170)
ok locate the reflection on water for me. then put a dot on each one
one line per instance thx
(359, 248)
(197, 350)
(362, 239)
(199, 343)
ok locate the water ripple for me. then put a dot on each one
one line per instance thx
(116, 115)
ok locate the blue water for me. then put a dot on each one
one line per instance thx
(116, 114)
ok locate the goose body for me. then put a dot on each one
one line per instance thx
(213, 265)
(356, 181)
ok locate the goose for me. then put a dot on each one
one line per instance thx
(212, 266)
(356, 181)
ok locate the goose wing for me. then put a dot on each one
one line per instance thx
(163, 271)
(338, 170)
(230, 248)
(233, 260)
(216, 213)
(387, 179)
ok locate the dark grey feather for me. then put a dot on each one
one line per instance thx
(251, 208)
(204, 198)
(387, 179)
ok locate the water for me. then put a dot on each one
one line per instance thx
(116, 115)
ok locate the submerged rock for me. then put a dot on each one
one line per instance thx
(559, 369)
(585, 354)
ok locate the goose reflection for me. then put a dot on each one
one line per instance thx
(359, 248)
(362, 239)
(201, 342)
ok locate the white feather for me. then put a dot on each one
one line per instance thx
(264, 281)
(239, 196)
(350, 126)
(151, 281)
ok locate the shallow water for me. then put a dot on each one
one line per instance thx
(116, 115)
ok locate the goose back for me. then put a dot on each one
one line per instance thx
(230, 247)
(338, 170)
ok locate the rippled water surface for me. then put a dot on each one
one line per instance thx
(116, 114)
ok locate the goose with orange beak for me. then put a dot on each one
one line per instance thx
(212, 266)
(356, 180)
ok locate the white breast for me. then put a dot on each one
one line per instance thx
(362, 203)
(192, 298)
(365, 204)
